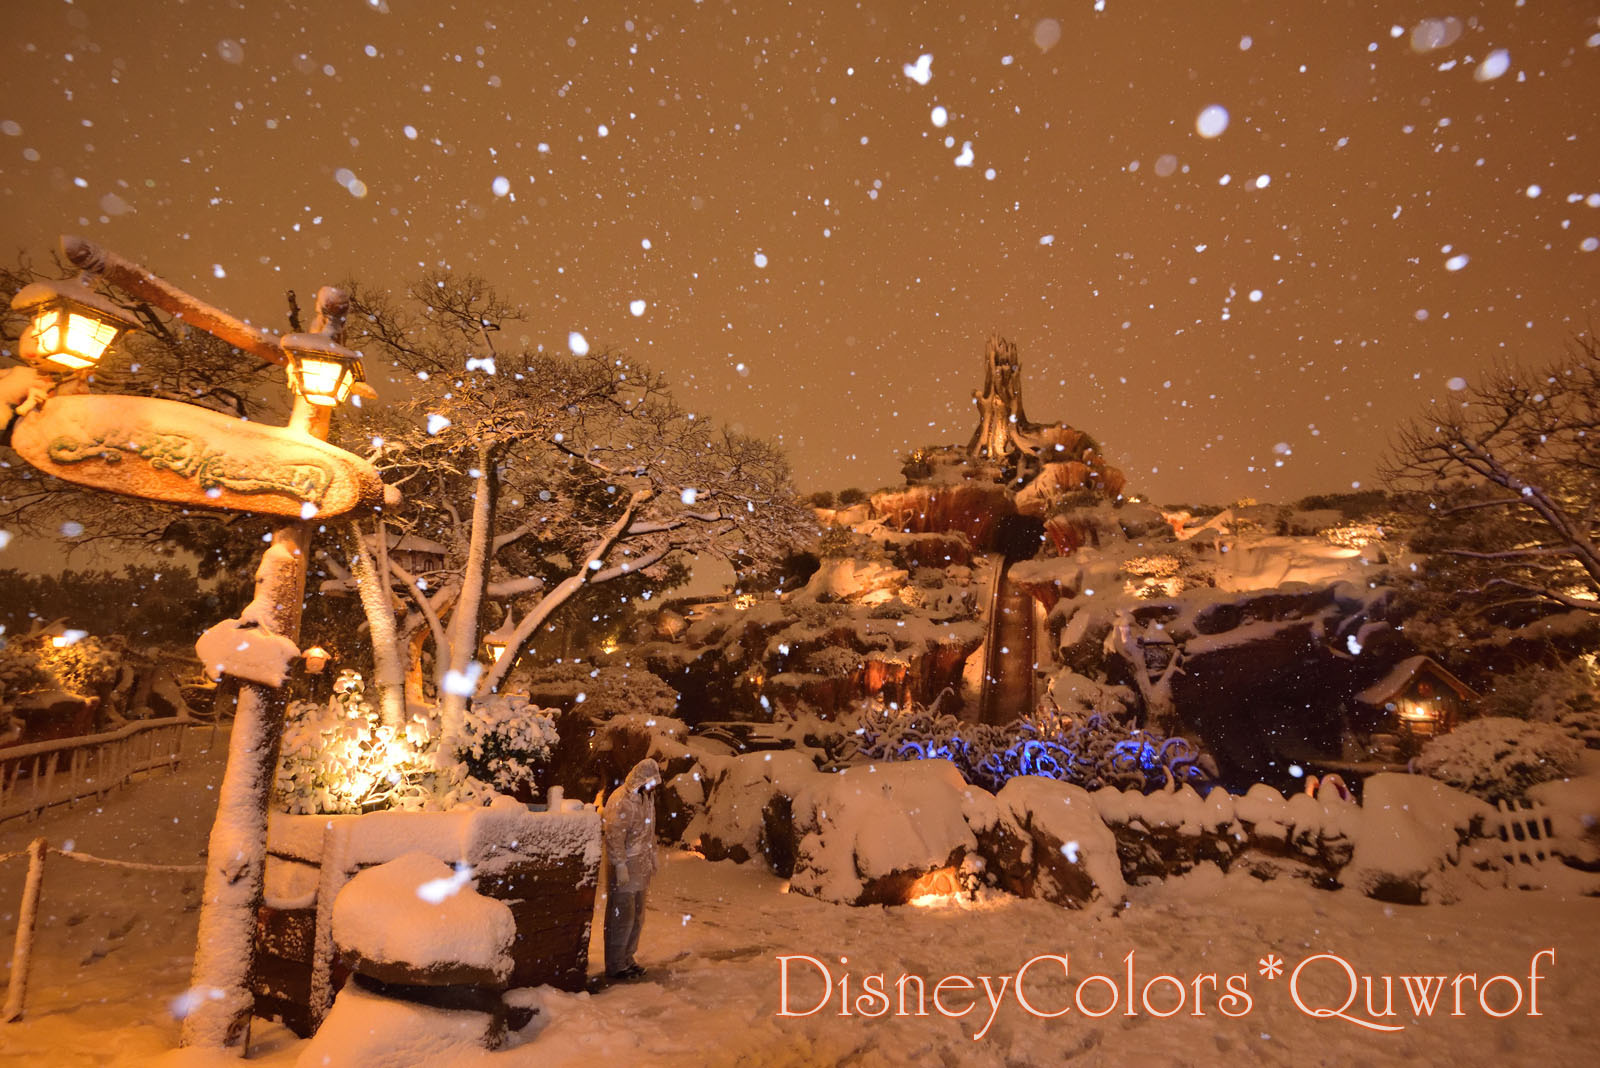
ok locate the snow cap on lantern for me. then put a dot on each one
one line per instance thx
(323, 371)
(71, 325)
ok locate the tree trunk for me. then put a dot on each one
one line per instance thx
(388, 671)
(463, 629)
(1160, 708)
(416, 677)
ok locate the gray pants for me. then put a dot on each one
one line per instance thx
(624, 921)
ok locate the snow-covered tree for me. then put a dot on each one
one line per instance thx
(1506, 477)
(541, 474)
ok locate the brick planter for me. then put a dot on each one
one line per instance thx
(544, 865)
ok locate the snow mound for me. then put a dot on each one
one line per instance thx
(1573, 807)
(749, 806)
(1068, 855)
(870, 832)
(364, 1028)
(416, 920)
(246, 651)
(1412, 831)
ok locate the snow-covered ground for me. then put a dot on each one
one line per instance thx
(113, 950)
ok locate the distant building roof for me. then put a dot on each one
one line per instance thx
(1401, 675)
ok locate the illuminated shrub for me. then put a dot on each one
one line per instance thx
(339, 757)
(1092, 752)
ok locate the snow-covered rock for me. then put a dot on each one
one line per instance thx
(1050, 842)
(870, 832)
(1410, 839)
(848, 579)
(682, 798)
(749, 809)
(416, 921)
(1169, 833)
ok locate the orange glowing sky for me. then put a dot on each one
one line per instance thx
(1242, 315)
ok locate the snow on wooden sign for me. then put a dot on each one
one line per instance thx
(169, 451)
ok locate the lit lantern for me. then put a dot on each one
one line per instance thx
(316, 658)
(498, 640)
(322, 371)
(71, 325)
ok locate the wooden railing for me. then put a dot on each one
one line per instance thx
(34, 777)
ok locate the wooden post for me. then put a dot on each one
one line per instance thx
(22, 948)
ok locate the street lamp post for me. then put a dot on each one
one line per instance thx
(62, 339)
(220, 996)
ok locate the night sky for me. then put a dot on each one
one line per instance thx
(777, 205)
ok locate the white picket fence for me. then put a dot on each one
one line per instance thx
(1525, 834)
(34, 777)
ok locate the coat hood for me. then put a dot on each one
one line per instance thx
(645, 773)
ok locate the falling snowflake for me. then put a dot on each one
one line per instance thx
(1212, 121)
(1493, 65)
(463, 683)
(434, 891)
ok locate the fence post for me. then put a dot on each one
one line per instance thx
(22, 948)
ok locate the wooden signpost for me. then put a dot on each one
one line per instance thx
(170, 451)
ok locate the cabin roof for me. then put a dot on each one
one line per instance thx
(1401, 676)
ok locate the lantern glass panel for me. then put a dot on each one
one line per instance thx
(323, 381)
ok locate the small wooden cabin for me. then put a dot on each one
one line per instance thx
(1418, 698)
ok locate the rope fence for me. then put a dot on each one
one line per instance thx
(28, 913)
(135, 865)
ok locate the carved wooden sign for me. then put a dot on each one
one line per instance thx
(169, 451)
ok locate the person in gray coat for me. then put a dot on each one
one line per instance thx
(630, 832)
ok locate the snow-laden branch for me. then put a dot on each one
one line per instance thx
(592, 564)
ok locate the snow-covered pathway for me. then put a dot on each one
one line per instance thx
(114, 949)
(716, 930)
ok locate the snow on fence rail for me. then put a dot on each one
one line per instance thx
(1525, 832)
(34, 777)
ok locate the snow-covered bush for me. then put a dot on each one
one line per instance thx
(339, 757)
(1092, 752)
(1497, 758)
(1541, 693)
(36, 662)
(603, 692)
(507, 740)
(20, 669)
(1564, 695)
